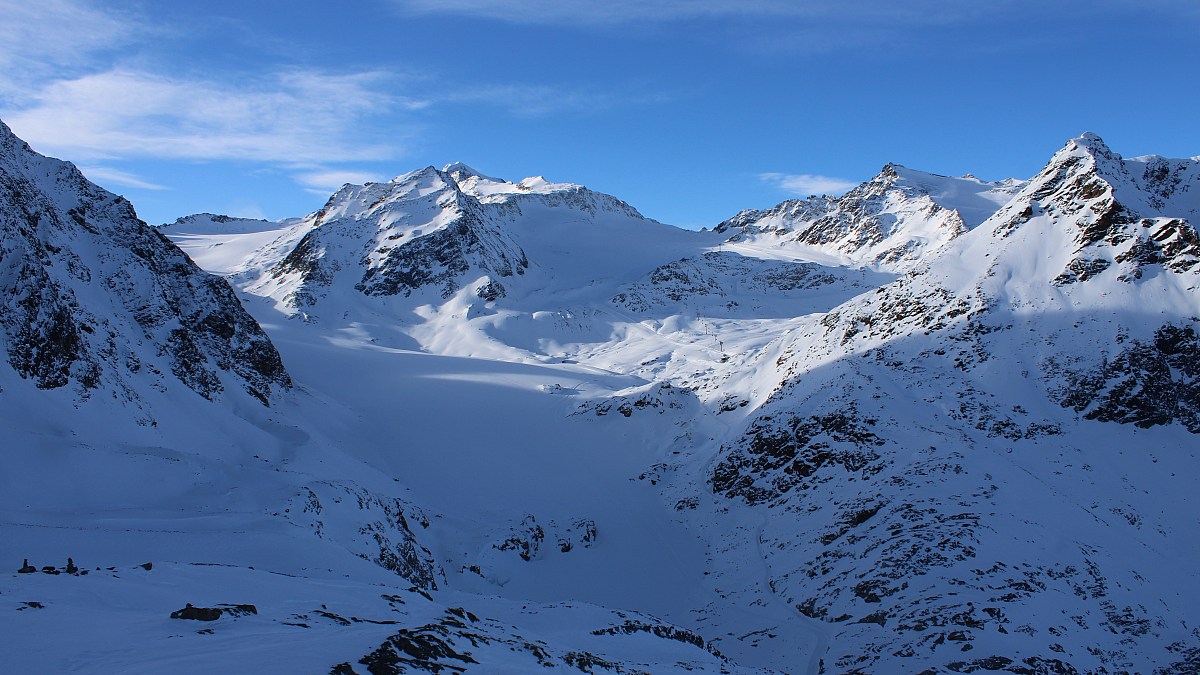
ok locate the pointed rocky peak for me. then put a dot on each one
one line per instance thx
(429, 176)
(462, 173)
(1079, 186)
(889, 170)
(1090, 142)
(1110, 215)
(9, 140)
(460, 168)
(1089, 152)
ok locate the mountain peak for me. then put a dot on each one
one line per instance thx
(461, 170)
(1089, 143)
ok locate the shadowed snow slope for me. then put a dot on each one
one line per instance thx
(935, 425)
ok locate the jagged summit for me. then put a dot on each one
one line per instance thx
(894, 222)
(435, 231)
(461, 172)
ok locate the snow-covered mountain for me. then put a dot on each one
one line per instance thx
(166, 525)
(97, 301)
(952, 500)
(434, 233)
(935, 425)
(892, 222)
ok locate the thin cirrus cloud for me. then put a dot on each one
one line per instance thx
(805, 184)
(107, 175)
(37, 37)
(290, 116)
(612, 11)
(821, 25)
(324, 181)
(526, 100)
(77, 88)
(630, 11)
(284, 118)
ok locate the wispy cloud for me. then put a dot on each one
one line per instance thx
(293, 116)
(37, 38)
(879, 12)
(323, 181)
(106, 175)
(612, 11)
(82, 82)
(805, 184)
(533, 100)
(639, 11)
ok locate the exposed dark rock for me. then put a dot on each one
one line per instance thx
(194, 613)
(92, 291)
(1081, 269)
(426, 649)
(1148, 383)
(491, 291)
(775, 456)
(526, 539)
(383, 528)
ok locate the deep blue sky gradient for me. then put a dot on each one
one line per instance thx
(679, 112)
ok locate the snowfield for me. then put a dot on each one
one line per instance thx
(934, 425)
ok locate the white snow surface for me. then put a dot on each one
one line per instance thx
(841, 453)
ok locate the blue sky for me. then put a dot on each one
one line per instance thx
(691, 110)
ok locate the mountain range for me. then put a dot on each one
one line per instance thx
(451, 423)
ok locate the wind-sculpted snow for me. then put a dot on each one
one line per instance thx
(97, 299)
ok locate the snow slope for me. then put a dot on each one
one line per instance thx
(937, 425)
(298, 508)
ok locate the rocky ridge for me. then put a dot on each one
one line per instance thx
(99, 301)
(912, 449)
(892, 222)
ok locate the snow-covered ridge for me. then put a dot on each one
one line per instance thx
(892, 222)
(101, 301)
(922, 433)
(428, 233)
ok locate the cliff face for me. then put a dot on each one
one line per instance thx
(97, 300)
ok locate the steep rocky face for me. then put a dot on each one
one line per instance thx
(892, 221)
(98, 300)
(1127, 213)
(430, 233)
(417, 231)
(371, 526)
(910, 449)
